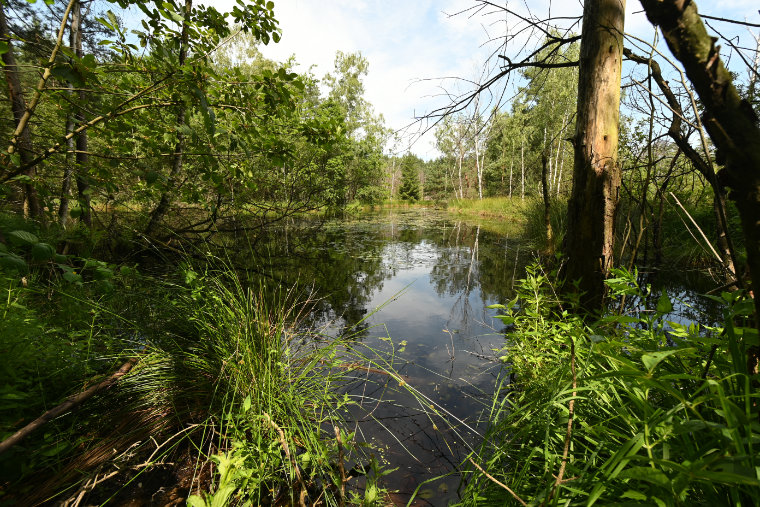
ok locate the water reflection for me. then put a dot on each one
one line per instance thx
(415, 284)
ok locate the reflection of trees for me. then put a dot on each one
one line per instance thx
(470, 256)
(341, 264)
(347, 262)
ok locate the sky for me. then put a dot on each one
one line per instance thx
(420, 52)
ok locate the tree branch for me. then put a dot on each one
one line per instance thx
(64, 407)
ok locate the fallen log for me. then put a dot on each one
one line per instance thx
(64, 407)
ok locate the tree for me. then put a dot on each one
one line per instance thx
(21, 150)
(730, 120)
(410, 178)
(452, 140)
(365, 130)
(596, 173)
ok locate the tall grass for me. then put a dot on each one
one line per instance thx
(227, 378)
(630, 409)
(502, 207)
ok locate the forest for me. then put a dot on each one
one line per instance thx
(201, 250)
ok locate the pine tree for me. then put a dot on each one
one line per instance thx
(410, 179)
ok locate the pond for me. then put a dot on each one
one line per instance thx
(417, 284)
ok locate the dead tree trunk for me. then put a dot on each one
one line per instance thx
(547, 204)
(596, 173)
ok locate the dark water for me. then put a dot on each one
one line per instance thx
(414, 286)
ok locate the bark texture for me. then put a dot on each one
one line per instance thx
(596, 173)
(547, 205)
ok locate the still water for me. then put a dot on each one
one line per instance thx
(415, 286)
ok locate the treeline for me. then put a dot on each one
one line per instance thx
(668, 163)
(179, 123)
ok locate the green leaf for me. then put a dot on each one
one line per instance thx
(89, 61)
(196, 501)
(72, 277)
(24, 237)
(42, 252)
(151, 177)
(634, 495)
(68, 73)
(663, 304)
(651, 475)
(102, 273)
(13, 262)
(652, 359)
(247, 403)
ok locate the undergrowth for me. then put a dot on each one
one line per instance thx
(628, 409)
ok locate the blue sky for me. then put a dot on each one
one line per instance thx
(413, 46)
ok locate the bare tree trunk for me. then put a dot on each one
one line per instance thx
(163, 204)
(522, 168)
(596, 173)
(75, 42)
(461, 190)
(547, 204)
(561, 167)
(82, 156)
(31, 204)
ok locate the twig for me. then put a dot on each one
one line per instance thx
(291, 458)
(569, 434)
(64, 407)
(522, 502)
(698, 228)
(24, 120)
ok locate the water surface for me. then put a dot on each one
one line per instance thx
(415, 285)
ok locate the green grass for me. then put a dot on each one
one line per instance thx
(501, 207)
(656, 419)
(228, 380)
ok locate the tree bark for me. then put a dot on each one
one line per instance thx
(547, 204)
(522, 168)
(78, 142)
(31, 204)
(82, 156)
(596, 173)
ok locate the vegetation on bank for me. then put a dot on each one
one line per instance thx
(626, 407)
(229, 396)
